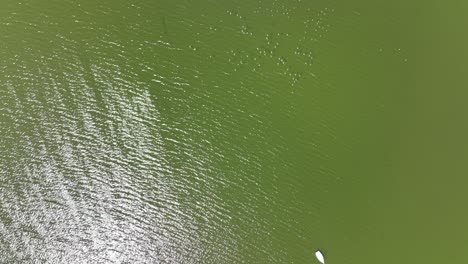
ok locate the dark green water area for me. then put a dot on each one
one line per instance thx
(185, 131)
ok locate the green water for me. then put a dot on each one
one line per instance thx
(233, 131)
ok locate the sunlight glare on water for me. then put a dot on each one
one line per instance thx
(231, 131)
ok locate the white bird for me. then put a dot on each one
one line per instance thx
(320, 257)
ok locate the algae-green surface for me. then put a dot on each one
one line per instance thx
(233, 131)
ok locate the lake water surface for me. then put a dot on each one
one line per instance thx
(233, 131)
